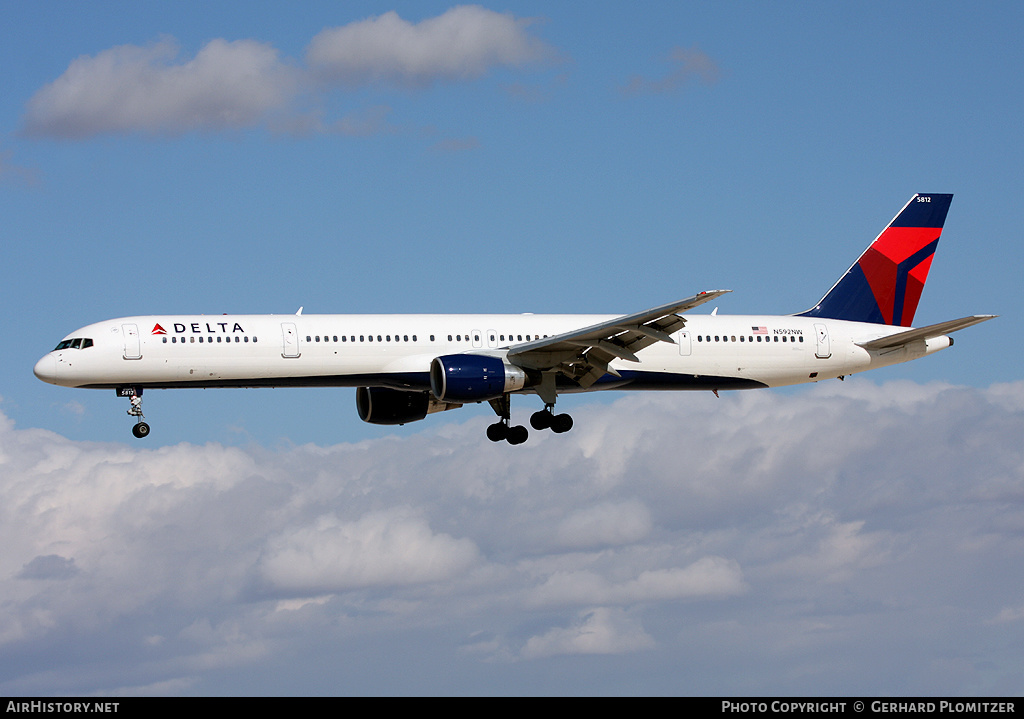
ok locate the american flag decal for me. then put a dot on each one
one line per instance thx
(759, 330)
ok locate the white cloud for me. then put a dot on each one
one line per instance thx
(463, 43)
(596, 631)
(379, 549)
(708, 577)
(807, 541)
(605, 523)
(241, 84)
(226, 86)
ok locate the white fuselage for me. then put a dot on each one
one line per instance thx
(711, 352)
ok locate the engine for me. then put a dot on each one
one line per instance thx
(473, 378)
(381, 405)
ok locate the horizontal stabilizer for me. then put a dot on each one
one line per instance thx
(923, 333)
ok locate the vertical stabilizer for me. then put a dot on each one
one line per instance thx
(884, 284)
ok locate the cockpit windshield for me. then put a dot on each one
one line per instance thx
(78, 343)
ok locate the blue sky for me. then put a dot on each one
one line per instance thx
(605, 160)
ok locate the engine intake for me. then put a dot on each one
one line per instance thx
(473, 378)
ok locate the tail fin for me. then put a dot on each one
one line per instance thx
(884, 285)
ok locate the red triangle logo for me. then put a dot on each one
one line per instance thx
(158, 330)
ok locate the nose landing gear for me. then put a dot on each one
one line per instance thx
(141, 429)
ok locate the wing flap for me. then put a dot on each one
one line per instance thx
(923, 333)
(584, 354)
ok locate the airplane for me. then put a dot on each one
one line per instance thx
(406, 367)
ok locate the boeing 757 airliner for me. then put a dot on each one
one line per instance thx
(408, 366)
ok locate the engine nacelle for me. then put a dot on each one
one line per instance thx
(382, 405)
(473, 378)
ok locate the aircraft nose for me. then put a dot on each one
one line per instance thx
(46, 369)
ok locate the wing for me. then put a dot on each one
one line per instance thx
(923, 333)
(584, 354)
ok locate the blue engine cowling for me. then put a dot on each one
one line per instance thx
(473, 378)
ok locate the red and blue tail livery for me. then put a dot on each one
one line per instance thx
(884, 285)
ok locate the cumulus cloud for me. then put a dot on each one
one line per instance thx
(606, 523)
(380, 548)
(807, 543)
(597, 631)
(226, 86)
(463, 43)
(707, 577)
(241, 84)
(685, 66)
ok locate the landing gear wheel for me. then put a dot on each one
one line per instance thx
(561, 423)
(546, 419)
(541, 420)
(517, 434)
(140, 430)
(497, 431)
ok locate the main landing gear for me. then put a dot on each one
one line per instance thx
(141, 429)
(502, 429)
(544, 419)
